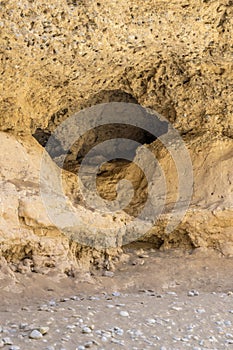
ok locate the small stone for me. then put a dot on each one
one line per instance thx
(35, 334)
(124, 313)
(50, 348)
(24, 326)
(176, 308)
(7, 341)
(104, 339)
(185, 339)
(52, 303)
(116, 294)
(14, 347)
(171, 293)
(70, 326)
(63, 300)
(118, 331)
(25, 308)
(213, 339)
(155, 337)
(43, 330)
(80, 347)
(117, 341)
(107, 334)
(86, 330)
(14, 326)
(151, 321)
(108, 274)
(193, 293)
(141, 256)
(176, 338)
(43, 308)
(1, 344)
(200, 311)
(67, 338)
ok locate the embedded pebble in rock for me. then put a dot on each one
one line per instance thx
(14, 347)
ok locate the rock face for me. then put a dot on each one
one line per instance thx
(175, 58)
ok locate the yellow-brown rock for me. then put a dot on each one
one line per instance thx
(59, 57)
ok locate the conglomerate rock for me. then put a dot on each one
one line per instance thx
(57, 58)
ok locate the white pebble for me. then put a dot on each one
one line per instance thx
(200, 311)
(35, 334)
(7, 341)
(124, 313)
(193, 293)
(104, 339)
(151, 321)
(176, 308)
(86, 329)
(118, 331)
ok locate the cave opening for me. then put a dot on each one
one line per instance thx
(112, 169)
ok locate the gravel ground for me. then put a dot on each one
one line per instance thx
(115, 313)
(145, 320)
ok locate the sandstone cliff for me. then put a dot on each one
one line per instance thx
(172, 57)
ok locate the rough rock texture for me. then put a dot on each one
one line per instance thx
(57, 58)
(174, 57)
(29, 240)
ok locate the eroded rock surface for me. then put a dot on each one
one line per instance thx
(175, 58)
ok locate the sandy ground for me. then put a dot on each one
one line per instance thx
(153, 300)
